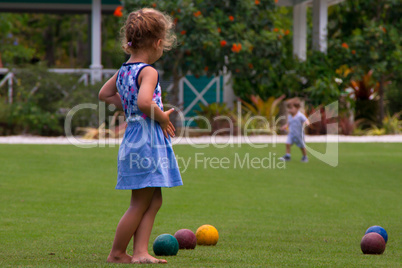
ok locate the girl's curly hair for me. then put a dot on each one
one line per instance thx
(146, 26)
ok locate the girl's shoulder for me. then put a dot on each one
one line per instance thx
(134, 68)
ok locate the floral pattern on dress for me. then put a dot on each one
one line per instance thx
(127, 87)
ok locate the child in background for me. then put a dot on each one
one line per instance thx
(296, 122)
(146, 161)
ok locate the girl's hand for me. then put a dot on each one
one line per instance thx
(167, 126)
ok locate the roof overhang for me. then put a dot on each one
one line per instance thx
(61, 6)
(307, 2)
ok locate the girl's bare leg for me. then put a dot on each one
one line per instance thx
(129, 223)
(141, 236)
(304, 152)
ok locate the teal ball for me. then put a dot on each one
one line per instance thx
(165, 245)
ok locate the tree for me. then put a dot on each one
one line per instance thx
(213, 35)
(365, 35)
(62, 40)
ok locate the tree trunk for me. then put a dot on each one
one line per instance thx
(175, 99)
(381, 101)
(49, 37)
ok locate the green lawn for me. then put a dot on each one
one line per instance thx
(58, 207)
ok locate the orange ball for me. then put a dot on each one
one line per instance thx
(207, 235)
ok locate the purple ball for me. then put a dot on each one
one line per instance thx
(372, 243)
(186, 239)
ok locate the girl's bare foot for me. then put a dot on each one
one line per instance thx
(146, 258)
(119, 258)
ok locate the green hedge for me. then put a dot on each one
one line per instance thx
(41, 101)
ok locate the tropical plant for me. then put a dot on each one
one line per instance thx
(391, 125)
(268, 108)
(364, 92)
(364, 89)
(255, 124)
(218, 116)
(348, 126)
(259, 115)
(375, 131)
(114, 131)
(317, 120)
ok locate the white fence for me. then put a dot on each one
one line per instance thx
(85, 78)
(9, 77)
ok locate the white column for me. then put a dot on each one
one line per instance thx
(96, 45)
(299, 31)
(320, 21)
(228, 94)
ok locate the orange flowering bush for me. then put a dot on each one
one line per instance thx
(211, 35)
(236, 48)
(118, 11)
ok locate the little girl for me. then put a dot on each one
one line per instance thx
(146, 161)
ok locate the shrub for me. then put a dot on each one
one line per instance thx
(219, 117)
(258, 115)
(42, 100)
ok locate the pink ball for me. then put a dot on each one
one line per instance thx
(186, 239)
(372, 243)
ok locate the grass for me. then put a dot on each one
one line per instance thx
(58, 207)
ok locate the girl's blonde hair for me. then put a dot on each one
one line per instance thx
(146, 26)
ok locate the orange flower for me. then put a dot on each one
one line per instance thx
(117, 12)
(257, 2)
(183, 32)
(231, 18)
(236, 48)
(344, 45)
(383, 29)
(353, 52)
(223, 43)
(280, 36)
(196, 14)
(237, 70)
(179, 10)
(287, 32)
(219, 30)
(153, 4)
(175, 21)
(206, 68)
(276, 1)
(251, 66)
(276, 30)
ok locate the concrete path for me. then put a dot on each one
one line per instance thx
(203, 140)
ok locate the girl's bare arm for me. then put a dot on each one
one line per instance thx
(147, 80)
(109, 94)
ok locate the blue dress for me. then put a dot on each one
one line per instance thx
(146, 157)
